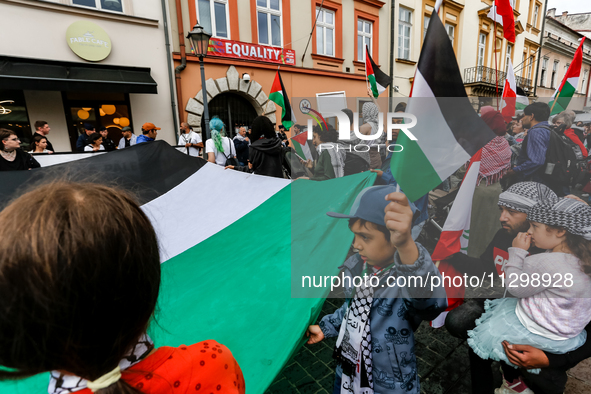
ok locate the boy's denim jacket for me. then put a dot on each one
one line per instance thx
(395, 313)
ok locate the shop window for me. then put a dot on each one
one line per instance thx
(13, 115)
(109, 110)
(404, 33)
(108, 5)
(269, 22)
(213, 16)
(325, 26)
(364, 38)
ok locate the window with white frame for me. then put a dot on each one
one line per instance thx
(481, 49)
(530, 65)
(584, 82)
(534, 21)
(404, 33)
(554, 71)
(508, 57)
(213, 16)
(544, 71)
(364, 38)
(325, 32)
(451, 32)
(269, 22)
(107, 5)
(426, 20)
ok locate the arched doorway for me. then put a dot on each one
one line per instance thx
(233, 109)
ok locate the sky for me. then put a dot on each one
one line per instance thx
(572, 6)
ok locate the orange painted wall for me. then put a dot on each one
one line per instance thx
(297, 83)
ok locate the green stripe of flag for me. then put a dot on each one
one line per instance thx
(566, 94)
(413, 169)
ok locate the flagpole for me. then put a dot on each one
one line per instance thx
(555, 101)
(496, 64)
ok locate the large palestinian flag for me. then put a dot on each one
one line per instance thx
(230, 250)
(376, 78)
(568, 87)
(448, 130)
(278, 95)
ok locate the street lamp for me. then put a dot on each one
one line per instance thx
(200, 42)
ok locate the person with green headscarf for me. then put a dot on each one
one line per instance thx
(219, 147)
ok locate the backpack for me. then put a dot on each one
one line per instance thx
(561, 160)
(354, 164)
(231, 158)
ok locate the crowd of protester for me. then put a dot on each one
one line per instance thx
(521, 208)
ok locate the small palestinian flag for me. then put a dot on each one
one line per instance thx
(301, 146)
(569, 84)
(279, 96)
(378, 81)
(448, 130)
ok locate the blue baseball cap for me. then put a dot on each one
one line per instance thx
(370, 205)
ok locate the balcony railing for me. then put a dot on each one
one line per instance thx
(489, 76)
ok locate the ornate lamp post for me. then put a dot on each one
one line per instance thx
(200, 41)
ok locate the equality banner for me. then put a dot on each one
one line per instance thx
(244, 50)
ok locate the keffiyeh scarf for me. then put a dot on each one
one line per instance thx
(495, 160)
(60, 383)
(337, 159)
(573, 215)
(522, 196)
(353, 348)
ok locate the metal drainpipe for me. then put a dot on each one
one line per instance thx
(541, 45)
(169, 61)
(183, 65)
(391, 90)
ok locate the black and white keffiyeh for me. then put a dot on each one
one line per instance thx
(353, 348)
(60, 383)
(573, 215)
(522, 196)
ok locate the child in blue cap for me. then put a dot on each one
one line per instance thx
(375, 347)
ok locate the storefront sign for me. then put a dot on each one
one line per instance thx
(89, 41)
(243, 50)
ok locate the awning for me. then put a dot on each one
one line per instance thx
(35, 74)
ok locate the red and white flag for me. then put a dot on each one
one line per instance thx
(455, 237)
(509, 94)
(502, 12)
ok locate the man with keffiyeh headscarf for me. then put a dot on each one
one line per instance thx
(515, 204)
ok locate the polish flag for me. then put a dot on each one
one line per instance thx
(502, 12)
(509, 95)
(455, 237)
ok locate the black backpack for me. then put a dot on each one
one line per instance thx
(561, 160)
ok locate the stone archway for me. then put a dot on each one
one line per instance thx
(252, 91)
